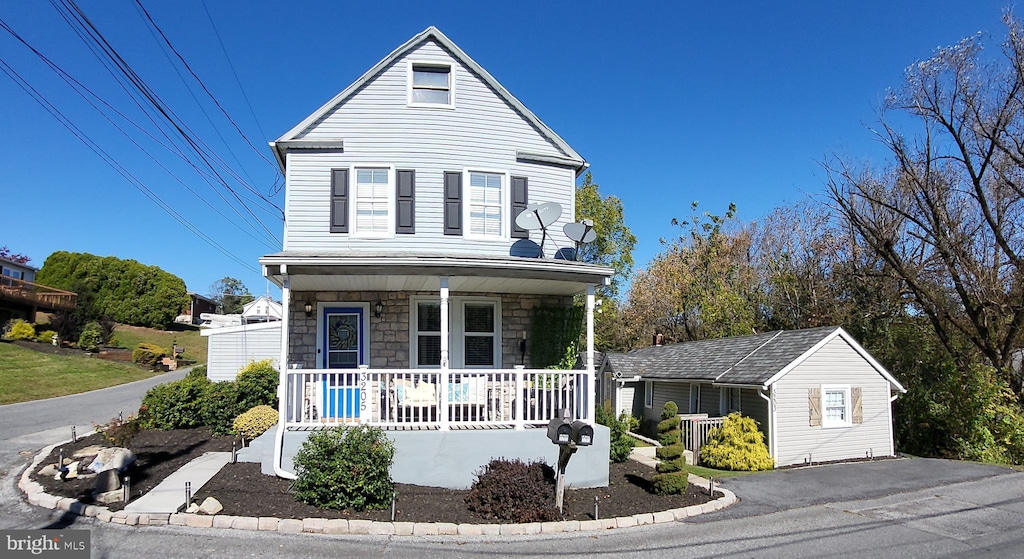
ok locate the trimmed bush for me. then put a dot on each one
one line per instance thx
(669, 466)
(668, 428)
(620, 443)
(19, 329)
(46, 336)
(257, 385)
(174, 405)
(197, 372)
(255, 422)
(670, 484)
(220, 406)
(345, 468)
(514, 491)
(148, 355)
(737, 445)
(91, 337)
(669, 452)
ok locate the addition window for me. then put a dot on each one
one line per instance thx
(372, 202)
(835, 406)
(428, 334)
(12, 273)
(430, 84)
(479, 333)
(648, 394)
(486, 207)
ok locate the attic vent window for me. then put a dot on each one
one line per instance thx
(431, 84)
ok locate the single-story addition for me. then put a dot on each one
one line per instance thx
(816, 394)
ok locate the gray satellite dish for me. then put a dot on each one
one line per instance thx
(580, 232)
(539, 216)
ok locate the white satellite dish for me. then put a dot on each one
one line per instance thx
(539, 216)
(580, 233)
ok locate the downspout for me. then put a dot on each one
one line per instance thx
(892, 439)
(592, 396)
(282, 383)
(771, 422)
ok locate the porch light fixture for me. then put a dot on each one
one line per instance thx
(309, 309)
(379, 308)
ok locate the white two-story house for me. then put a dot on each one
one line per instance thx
(409, 291)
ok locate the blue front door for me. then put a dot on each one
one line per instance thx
(343, 349)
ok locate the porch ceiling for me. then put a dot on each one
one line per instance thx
(419, 272)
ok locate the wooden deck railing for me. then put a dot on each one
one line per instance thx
(695, 427)
(36, 294)
(435, 399)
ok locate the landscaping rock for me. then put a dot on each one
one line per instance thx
(192, 508)
(108, 480)
(87, 451)
(72, 470)
(210, 506)
(112, 458)
(49, 470)
(115, 496)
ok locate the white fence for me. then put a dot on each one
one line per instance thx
(695, 428)
(434, 398)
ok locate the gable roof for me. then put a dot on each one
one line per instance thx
(756, 360)
(290, 138)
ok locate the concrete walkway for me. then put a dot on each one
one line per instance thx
(169, 495)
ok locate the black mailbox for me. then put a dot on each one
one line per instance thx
(560, 431)
(582, 434)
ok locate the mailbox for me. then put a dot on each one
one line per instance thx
(560, 431)
(582, 434)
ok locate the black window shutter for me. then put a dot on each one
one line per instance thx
(452, 203)
(339, 201)
(520, 197)
(405, 202)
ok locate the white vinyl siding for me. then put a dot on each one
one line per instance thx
(229, 349)
(379, 129)
(834, 363)
(372, 202)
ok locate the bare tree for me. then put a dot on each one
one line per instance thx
(945, 218)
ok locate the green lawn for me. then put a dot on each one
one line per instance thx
(194, 344)
(30, 375)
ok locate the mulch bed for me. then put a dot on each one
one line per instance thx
(244, 491)
(49, 348)
(158, 455)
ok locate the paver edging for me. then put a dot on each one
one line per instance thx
(35, 495)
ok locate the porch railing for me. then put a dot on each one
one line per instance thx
(430, 398)
(695, 428)
(36, 294)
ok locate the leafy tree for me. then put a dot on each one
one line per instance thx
(615, 242)
(231, 294)
(111, 288)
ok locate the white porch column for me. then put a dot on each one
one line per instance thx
(442, 411)
(591, 391)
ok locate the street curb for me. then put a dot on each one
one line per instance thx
(35, 495)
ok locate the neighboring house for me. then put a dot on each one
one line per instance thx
(21, 297)
(197, 306)
(403, 303)
(816, 393)
(232, 347)
(262, 309)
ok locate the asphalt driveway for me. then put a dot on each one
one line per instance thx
(819, 485)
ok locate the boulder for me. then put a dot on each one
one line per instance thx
(112, 458)
(87, 451)
(192, 508)
(210, 506)
(108, 480)
(49, 470)
(105, 498)
(72, 470)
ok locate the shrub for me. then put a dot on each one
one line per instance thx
(220, 406)
(19, 329)
(197, 372)
(669, 452)
(119, 432)
(46, 336)
(175, 405)
(620, 443)
(515, 491)
(736, 445)
(91, 337)
(107, 330)
(668, 428)
(669, 466)
(255, 422)
(345, 468)
(670, 484)
(257, 385)
(147, 354)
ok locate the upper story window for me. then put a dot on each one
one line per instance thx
(487, 195)
(372, 202)
(431, 85)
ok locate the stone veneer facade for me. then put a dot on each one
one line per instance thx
(390, 333)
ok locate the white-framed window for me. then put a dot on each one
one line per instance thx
(372, 202)
(648, 394)
(835, 406)
(486, 207)
(728, 400)
(474, 332)
(694, 397)
(479, 334)
(12, 273)
(431, 85)
(427, 334)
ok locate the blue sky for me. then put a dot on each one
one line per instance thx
(670, 103)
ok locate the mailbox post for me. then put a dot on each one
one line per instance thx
(568, 435)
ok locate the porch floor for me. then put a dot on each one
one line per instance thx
(489, 427)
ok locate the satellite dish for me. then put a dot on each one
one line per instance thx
(539, 216)
(565, 254)
(580, 232)
(525, 248)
